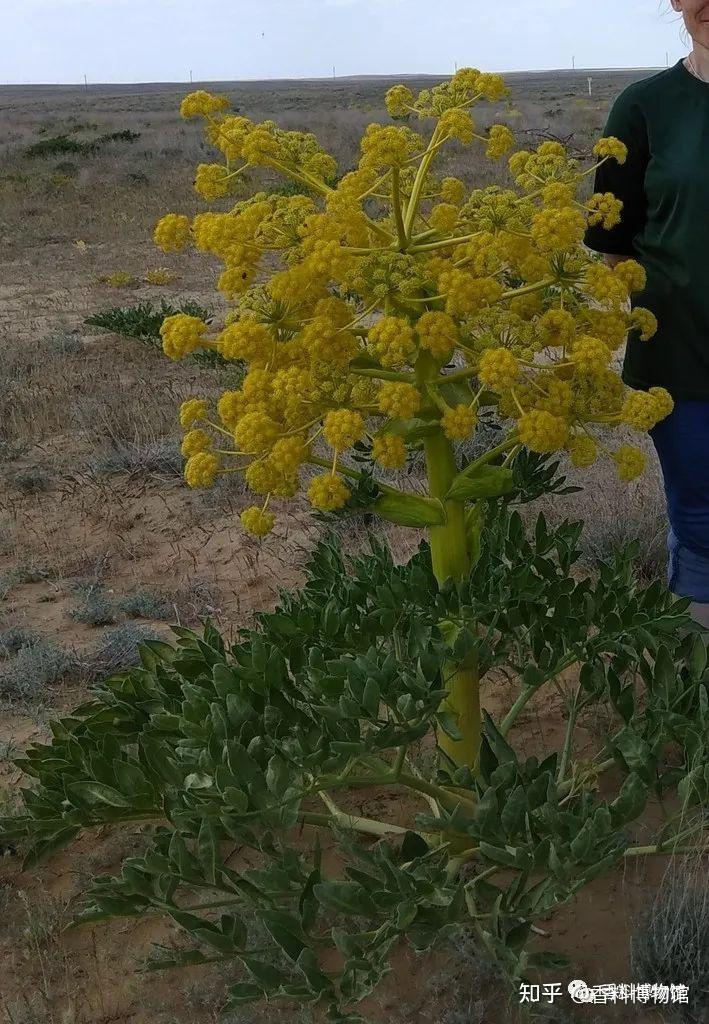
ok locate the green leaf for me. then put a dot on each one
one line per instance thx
(516, 937)
(345, 898)
(413, 846)
(130, 778)
(635, 752)
(413, 429)
(499, 855)
(285, 930)
(583, 843)
(409, 510)
(266, 974)
(371, 698)
(498, 744)
(208, 849)
(244, 992)
(204, 931)
(449, 724)
(199, 780)
(405, 914)
(278, 775)
(96, 792)
(697, 657)
(514, 811)
(481, 482)
(43, 849)
(630, 802)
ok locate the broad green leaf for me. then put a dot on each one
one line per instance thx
(96, 792)
(285, 930)
(345, 897)
(630, 802)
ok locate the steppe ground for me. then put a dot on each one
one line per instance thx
(101, 541)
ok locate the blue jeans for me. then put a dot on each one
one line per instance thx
(682, 444)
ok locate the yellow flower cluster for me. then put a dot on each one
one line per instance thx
(644, 409)
(437, 332)
(172, 232)
(498, 368)
(389, 451)
(399, 400)
(631, 462)
(212, 181)
(459, 422)
(392, 341)
(202, 103)
(392, 294)
(181, 334)
(328, 492)
(342, 428)
(604, 208)
(257, 521)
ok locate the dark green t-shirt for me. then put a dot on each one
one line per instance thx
(664, 186)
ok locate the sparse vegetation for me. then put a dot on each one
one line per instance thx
(60, 144)
(161, 457)
(96, 608)
(671, 940)
(32, 479)
(115, 651)
(146, 604)
(25, 674)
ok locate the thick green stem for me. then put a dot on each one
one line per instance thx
(568, 739)
(450, 554)
(397, 207)
(413, 205)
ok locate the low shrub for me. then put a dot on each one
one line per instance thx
(60, 144)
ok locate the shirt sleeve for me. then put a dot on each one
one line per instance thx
(626, 181)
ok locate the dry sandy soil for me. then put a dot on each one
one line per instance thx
(93, 510)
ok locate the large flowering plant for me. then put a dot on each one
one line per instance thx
(474, 299)
(403, 310)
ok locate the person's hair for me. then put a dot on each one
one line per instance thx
(667, 8)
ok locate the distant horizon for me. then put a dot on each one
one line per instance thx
(131, 42)
(324, 78)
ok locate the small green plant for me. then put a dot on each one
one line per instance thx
(33, 480)
(95, 608)
(66, 342)
(33, 667)
(119, 279)
(18, 576)
(117, 650)
(16, 638)
(60, 144)
(146, 604)
(144, 321)
(54, 146)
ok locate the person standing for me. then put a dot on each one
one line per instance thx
(664, 188)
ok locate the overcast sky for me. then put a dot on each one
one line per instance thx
(162, 40)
